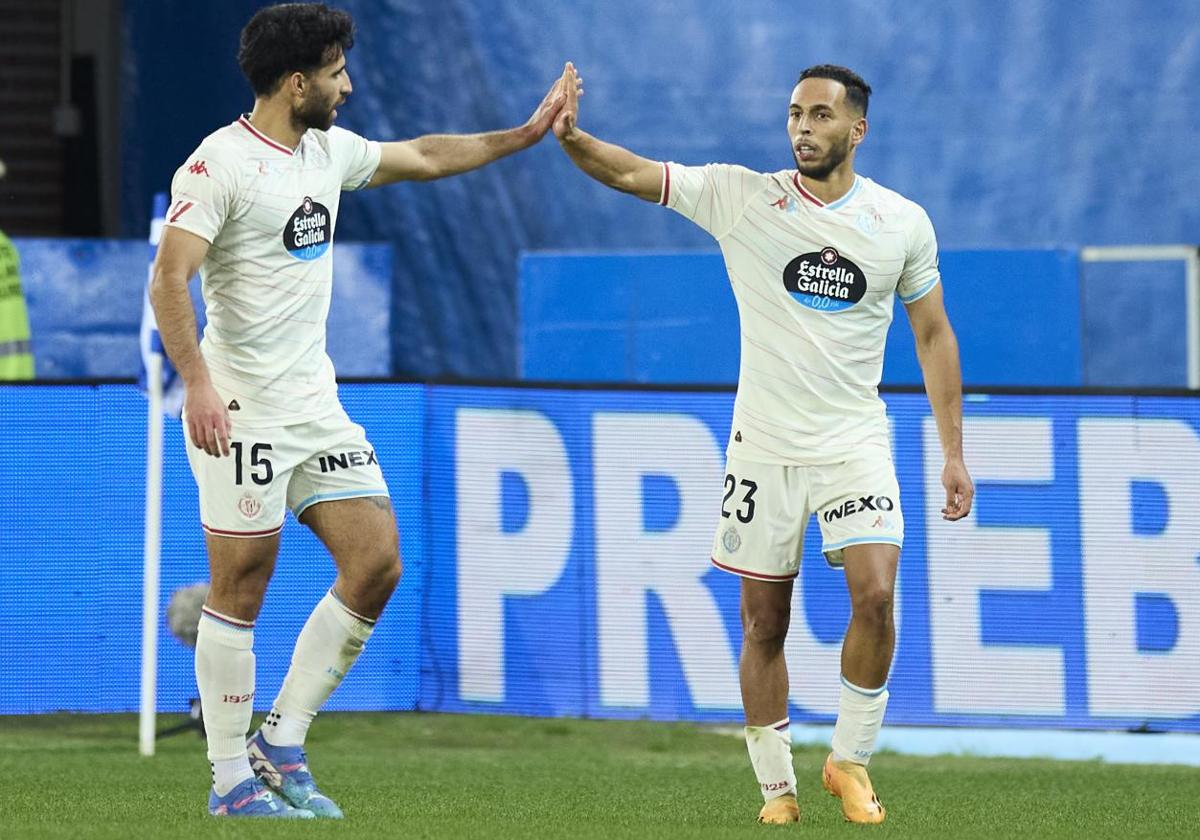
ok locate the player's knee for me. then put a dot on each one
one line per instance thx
(766, 626)
(873, 605)
(380, 570)
(389, 575)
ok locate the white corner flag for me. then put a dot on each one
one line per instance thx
(164, 390)
(151, 341)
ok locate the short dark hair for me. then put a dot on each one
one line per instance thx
(289, 38)
(858, 92)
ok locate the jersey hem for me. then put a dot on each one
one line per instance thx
(753, 575)
(218, 532)
(336, 497)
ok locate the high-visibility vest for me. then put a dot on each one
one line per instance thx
(16, 356)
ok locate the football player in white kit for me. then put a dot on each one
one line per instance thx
(254, 209)
(815, 255)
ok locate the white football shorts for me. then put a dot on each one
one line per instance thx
(766, 508)
(274, 469)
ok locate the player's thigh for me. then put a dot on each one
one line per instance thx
(871, 574)
(766, 607)
(244, 495)
(339, 492)
(360, 533)
(760, 534)
(239, 570)
(857, 503)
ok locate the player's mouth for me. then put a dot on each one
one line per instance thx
(805, 151)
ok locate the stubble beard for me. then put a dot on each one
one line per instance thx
(820, 170)
(316, 115)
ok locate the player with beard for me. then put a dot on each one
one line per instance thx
(254, 209)
(815, 255)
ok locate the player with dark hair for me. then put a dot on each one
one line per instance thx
(815, 256)
(254, 209)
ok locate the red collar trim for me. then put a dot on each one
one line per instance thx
(804, 192)
(245, 123)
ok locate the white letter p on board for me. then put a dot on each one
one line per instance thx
(493, 564)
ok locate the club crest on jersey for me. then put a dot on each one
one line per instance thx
(825, 280)
(308, 232)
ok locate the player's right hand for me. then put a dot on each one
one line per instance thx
(208, 420)
(568, 116)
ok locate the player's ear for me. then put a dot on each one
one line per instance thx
(296, 84)
(858, 131)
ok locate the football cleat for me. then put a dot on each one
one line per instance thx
(285, 771)
(780, 810)
(251, 799)
(849, 782)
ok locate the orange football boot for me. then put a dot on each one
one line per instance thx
(780, 810)
(849, 782)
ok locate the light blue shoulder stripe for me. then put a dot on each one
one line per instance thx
(921, 292)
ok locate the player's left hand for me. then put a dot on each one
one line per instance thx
(543, 117)
(959, 490)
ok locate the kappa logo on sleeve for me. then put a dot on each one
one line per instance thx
(178, 209)
(198, 168)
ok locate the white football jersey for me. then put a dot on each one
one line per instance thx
(814, 284)
(269, 213)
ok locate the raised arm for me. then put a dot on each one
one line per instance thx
(438, 155)
(937, 350)
(609, 164)
(179, 257)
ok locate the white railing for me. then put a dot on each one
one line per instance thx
(1190, 256)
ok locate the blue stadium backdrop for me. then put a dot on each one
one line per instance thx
(556, 549)
(1016, 123)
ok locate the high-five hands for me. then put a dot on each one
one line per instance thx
(571, 84)
(543, 116)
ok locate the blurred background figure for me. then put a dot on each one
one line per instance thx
(16, 356)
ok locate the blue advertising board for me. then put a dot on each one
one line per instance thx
(557, 541)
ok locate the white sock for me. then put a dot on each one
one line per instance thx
(860, 716)
(331, 640)
(771, 754)
(225, 677)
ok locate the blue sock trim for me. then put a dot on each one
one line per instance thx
(865, 692)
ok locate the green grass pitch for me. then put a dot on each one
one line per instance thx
(420, 775)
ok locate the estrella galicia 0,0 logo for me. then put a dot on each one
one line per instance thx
(825, 281)
(308, 232)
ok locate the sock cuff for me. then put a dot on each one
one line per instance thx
(224, 630)
(236, 623)
(865, 692)
(349, 611)
(780, 728)
(356, 625)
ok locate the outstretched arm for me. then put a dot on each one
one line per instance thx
(937, 350)
(609, 164)
(438, 155)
